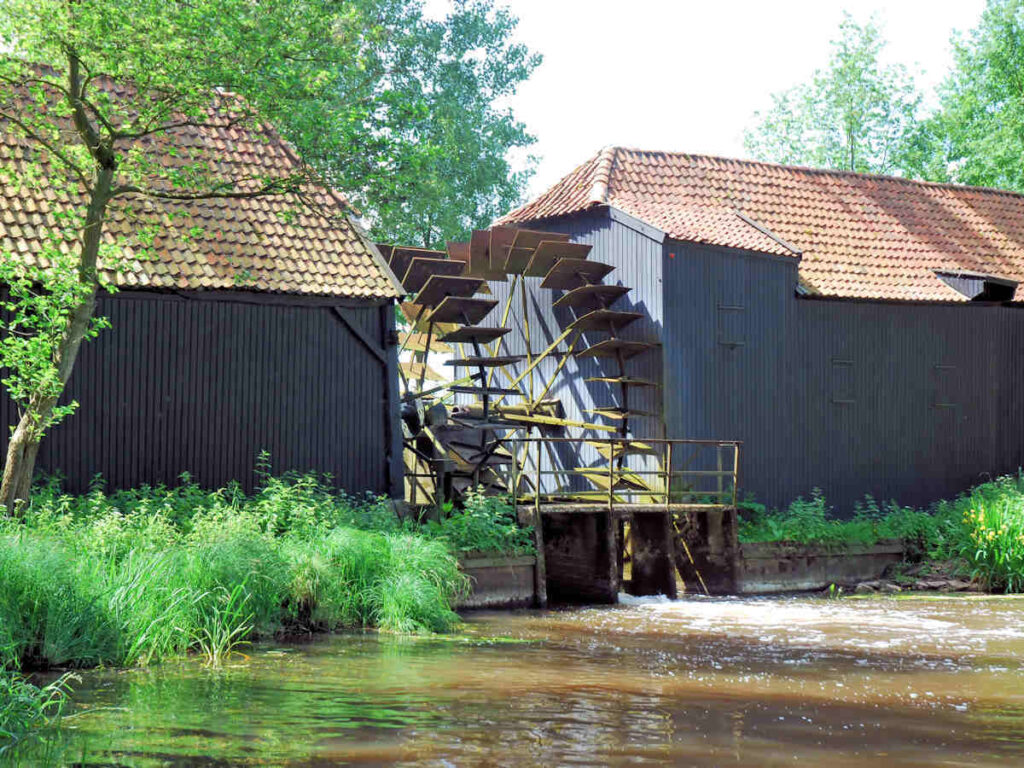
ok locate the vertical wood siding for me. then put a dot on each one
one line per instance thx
(203, 386)
(907, 402)
(637, 258)
(901, 401)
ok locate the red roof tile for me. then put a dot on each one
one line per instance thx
(856, 235)
(271, 243)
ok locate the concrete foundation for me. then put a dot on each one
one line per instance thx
(652, 567)
(581, 554)
(707, 551)
(768, 568)
(500, 582)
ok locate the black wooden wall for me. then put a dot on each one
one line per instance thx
(910, 402)
(204, 382)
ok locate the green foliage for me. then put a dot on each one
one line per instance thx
(810, 521)
(138, 576)
(977, 135)
(29, 715)
(984, 528)
(989, 532)
(484, 524)
(32, 329)
(417, 134)
(855, 115)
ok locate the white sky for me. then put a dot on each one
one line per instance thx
(688, 75)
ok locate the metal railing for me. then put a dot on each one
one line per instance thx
(685, 473)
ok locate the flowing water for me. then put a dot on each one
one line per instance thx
(757, 682)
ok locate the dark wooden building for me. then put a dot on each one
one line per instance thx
(859, 334)
(262, 324)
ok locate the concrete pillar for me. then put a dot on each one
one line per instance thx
(581, 557)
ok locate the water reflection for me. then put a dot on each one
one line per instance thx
(700, 682)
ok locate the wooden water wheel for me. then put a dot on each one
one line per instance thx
(465, 397)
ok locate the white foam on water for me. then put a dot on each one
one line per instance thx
(627, 599)
(884, 625)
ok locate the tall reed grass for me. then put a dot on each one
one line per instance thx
(134, 577)
(29, 717)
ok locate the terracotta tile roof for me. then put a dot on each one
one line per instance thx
(272, 243)
(856, 235)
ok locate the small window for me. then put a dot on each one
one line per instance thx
(842, 381)
(944, 386)
(730, 331)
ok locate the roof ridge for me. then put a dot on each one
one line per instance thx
(821, 171)
(605, 162)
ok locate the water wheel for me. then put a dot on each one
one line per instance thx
(465, 396)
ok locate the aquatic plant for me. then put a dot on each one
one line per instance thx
(29, 716)
(224, 625)
(991, 533)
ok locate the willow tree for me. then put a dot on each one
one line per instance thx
(94, 97)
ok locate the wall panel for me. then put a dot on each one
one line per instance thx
(204, 385)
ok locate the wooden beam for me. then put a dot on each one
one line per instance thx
(363, 338)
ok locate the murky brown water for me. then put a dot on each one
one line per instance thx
(757, 682)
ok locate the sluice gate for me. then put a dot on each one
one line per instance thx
(651, 530)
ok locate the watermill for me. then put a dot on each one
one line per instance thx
(479, 378)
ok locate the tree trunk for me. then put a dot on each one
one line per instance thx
(23, 448)
(14, 468)
(16, 482)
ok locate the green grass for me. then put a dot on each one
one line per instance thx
(134, 577)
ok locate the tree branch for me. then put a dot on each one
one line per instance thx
(282, 187)
(33, 136)
(103, 155)
(187, 123)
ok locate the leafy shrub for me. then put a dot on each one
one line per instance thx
(811, 521)
(984, 528)
(484, 524)
(806, 521)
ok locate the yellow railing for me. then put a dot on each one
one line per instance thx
(685, 473)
